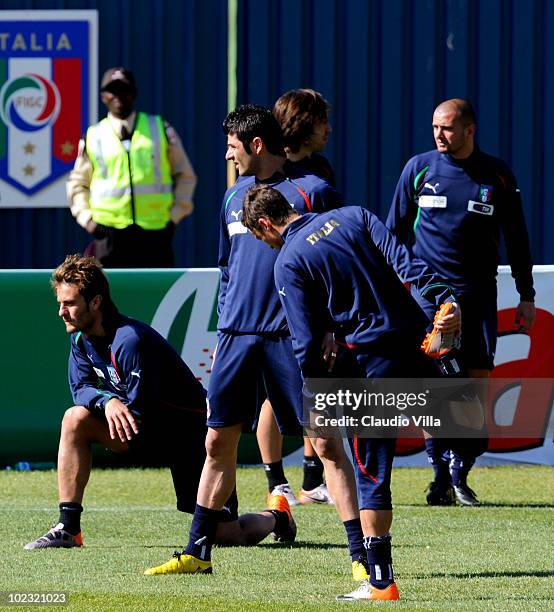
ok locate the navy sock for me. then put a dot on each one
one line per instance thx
(275, 474)
(459, 468)
(70, 516)
(379, 559)
(202, 532)
(281, 520)
(355, 536)
(435, 455)
(313, 473)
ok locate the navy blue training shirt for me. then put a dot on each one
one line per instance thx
(134, 364)
(451, 214)
(343, 272)
(314, 164)
(248, 302)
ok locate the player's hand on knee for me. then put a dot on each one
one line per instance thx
(121, 422)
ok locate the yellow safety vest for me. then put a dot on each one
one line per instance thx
(134, 186)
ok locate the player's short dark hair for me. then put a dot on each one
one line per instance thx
(298, 111)
(264, 201)
(467, 112)
(250, 121)
(464, 109)
(86, 273)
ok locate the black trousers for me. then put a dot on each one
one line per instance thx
(135, 247)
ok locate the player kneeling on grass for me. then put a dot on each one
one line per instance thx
(133, 393)
(343, 271)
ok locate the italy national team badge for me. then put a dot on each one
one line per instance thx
(485, 193)
(47, 65)
(114, 376)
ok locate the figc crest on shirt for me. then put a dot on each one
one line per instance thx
(485, 193)
(114, 376)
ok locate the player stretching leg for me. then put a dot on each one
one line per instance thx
(341, 270)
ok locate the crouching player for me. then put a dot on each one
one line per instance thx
(132, 393)
(343, 271)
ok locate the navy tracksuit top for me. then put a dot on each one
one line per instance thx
(248, 302)
(451, 213)
(343, 271)
(136, 365)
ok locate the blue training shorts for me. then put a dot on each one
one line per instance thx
(373, 457)
(248, 368)
(479, 332)
(479, 327)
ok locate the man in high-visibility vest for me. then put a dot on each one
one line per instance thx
(132, 181)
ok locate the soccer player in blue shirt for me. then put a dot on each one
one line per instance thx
(343, 272)
(303, 115)
(254, 358)
(450, 207)
(133, 394)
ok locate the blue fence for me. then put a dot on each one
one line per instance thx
(383, 65)
(178, 53)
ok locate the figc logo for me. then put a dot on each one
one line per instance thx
(29, 102)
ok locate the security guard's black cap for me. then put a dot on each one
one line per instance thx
(119, 76)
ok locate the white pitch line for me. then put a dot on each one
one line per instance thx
(93, 509)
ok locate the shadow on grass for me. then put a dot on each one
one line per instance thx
(517, 505)
(465, 575)
(484, 505)
(301, 544)
(276, 545)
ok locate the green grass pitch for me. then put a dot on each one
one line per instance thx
(497, 557)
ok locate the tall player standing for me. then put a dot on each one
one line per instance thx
(254, 347)
(450, 207)
(303, 115)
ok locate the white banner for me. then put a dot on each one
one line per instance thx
(519, 355)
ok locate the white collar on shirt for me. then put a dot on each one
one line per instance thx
(118, 124)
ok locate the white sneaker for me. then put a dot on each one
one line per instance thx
(286, 491)
(369, 592)
(319, 495)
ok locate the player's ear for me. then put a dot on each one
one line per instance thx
(95, 303)
(257, 145)
(264, 223)
(470, 129)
